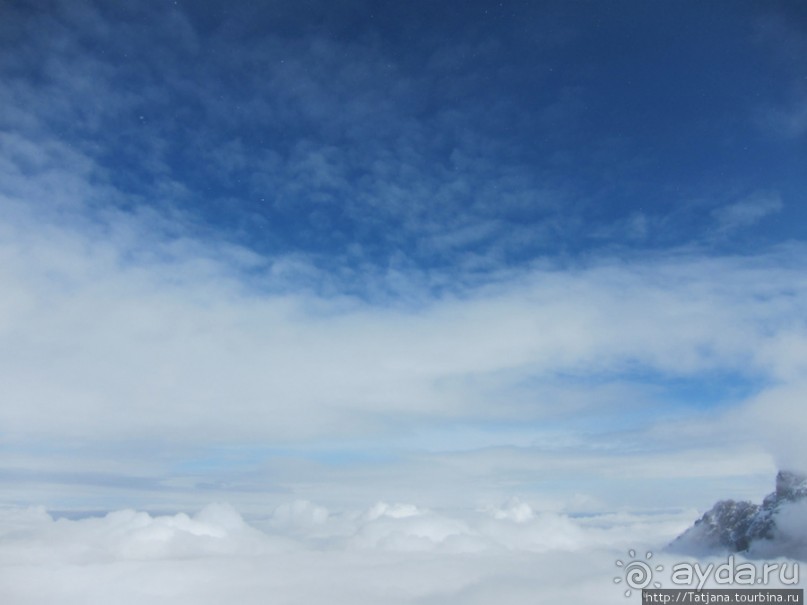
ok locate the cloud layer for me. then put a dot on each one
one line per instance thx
(389, 553)
(170, 342)
(441, 257)
(129, 337)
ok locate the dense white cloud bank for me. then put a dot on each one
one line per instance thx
(790, 533)
(388, 553)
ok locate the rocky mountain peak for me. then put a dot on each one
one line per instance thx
(734, 526)
(790, 486)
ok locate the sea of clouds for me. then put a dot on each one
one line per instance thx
(304, 553)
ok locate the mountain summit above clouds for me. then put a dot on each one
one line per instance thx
(777, 527)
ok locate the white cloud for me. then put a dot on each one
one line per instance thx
(176, 344)
(776, 416)
(138, 352)
(299, 514)
(213, 556)
(515, 510)
(121, 332)
(134, 343)
(129, 535)
(790, 534)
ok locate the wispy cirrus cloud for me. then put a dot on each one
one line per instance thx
(746, 212)
(320, 140)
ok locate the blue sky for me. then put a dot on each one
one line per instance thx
(442, 252)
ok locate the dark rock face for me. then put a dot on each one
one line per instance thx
(732, 526)
(790, 487)
(725, 527)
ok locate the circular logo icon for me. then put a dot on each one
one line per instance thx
(637, 573)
